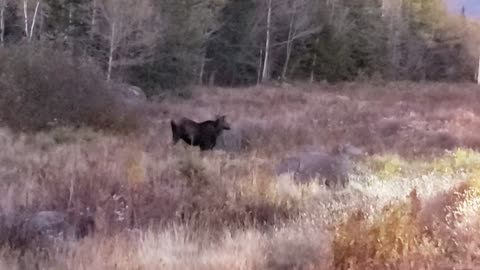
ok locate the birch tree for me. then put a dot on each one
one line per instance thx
(181, 57)
(200, 22)
(30, 9)
(3, 6)
(302, 22)
(93, 22)
(131, 28)
(265, 74)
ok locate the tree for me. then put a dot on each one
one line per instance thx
(182, 50)
(302, 22)
(131, 29)
(3, 7)
(65, 23)
(28, 11)
(265, 74)
(368, 36)
(327, 54)
(233, 50)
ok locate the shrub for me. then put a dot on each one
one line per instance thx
(459, 160)
(387, 166)
(391, 237)
(42, 89)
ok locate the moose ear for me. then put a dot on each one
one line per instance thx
(221, 117)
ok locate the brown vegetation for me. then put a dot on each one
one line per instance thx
(407, 118)
(158, 205)
(43, 89)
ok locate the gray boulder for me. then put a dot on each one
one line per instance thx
(233, 141)
(131, 93)
(43, 228)
(333, 168)
(242, 137)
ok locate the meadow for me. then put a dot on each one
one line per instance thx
(413, 201)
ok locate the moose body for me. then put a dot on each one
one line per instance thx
(203, 134)
(333, 167)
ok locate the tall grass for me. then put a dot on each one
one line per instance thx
(411, 204)
(43, 89)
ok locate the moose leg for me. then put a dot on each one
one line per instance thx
(207, 145)
(175, 136)
(191, 140)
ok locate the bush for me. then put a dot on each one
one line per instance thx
(384, 242)
(43, 89)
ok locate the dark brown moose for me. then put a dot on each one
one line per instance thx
(203, 134)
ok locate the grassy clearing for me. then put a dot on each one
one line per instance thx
(412, 203)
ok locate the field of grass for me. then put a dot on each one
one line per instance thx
(413, 202)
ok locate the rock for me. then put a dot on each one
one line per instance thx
(389, 127)
(333, 167)
(158, 98)
(43, 228)
(242, 137)
(131, 93)
(233, 141)
(45, 222)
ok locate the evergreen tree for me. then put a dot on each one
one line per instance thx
(233, 57)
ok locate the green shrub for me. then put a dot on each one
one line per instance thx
(459, 160)
(387, 166)
(43, 89)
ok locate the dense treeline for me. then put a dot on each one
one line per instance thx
(169, 44)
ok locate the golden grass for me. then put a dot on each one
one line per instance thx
(159, 206)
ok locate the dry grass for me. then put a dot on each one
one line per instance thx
(43, 88)
(411, 205)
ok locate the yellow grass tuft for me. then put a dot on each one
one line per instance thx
(135, 166)
(384, 241)
(387, 166)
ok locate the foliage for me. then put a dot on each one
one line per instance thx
(387, 166)
(222, 41)
(389, 238)
(232, 53)
(225, 210)
(460, 160)
(43, 89)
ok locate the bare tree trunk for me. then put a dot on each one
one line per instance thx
(202, 69)
(25, 13)
(33, 20)
(267, 42)
(478, 71)
(332, 11)
(259, 75)
(393, 43)
(312, 72)
(70, 23)
(384, 8)
(94, 18)
(110, 55)
(2, 25)
(41, 23)
(289, 44)
(211, 79)
(314, 63)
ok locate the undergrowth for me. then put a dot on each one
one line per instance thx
(161, 206)
(43, 89)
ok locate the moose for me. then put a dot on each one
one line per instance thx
(333, 167)
(203, 134)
